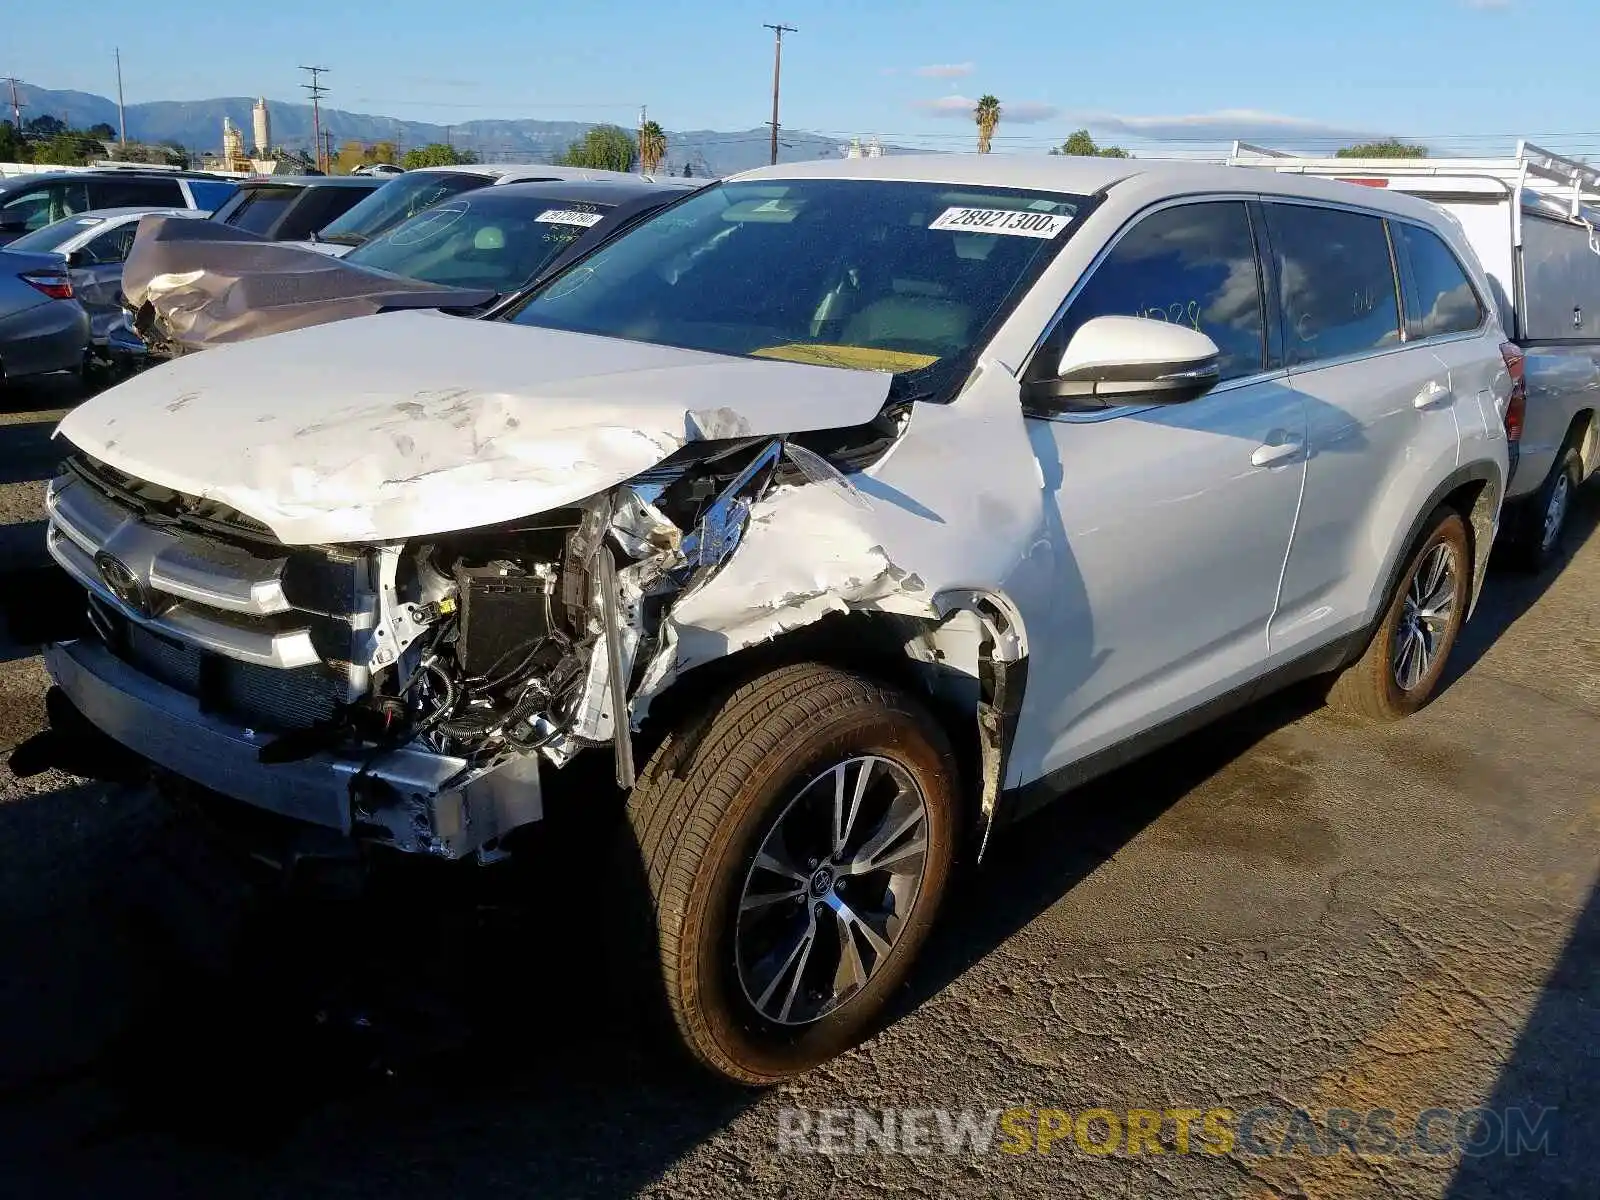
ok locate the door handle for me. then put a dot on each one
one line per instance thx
(1275, 452)
(1435, 395)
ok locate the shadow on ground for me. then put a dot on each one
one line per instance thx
(1553, 1067)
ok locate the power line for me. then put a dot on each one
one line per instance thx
(317, 93)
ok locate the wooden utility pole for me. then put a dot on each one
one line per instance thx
(16, 106)
(317, 93)
(122, 115)
(777, 74)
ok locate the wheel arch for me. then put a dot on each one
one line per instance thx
(1475, 491)
(968, 664)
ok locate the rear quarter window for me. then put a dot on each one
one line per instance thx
(1440, 298)
(1336, 280)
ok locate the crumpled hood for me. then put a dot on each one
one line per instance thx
(406, 424)
(199, 284)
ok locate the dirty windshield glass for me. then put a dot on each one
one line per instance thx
(480, 241)
(870, 274)
(403, 196)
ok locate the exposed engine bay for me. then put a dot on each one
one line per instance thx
(531, 636)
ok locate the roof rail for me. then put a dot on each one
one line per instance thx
(1244, 149)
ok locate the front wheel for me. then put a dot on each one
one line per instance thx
(1404, 661)
(795, 844)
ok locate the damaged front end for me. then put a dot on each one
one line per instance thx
(404, 693)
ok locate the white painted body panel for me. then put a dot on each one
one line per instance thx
(1374, 455)
(403, 424)
(1170, 544)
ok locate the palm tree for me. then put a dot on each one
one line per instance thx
(987, 114)
(652, 147)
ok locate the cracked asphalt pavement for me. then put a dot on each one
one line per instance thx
(1285, 909)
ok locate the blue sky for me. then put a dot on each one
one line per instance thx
(1159, 72)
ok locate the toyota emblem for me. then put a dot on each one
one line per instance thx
(124, 584)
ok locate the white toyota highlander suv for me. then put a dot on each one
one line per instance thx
(850, 508)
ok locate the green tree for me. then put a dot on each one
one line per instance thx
(12, 147)
(1387, 148)
(1081, 145)
(652, 147)
(175, 153)
(436, 154)
(603, 148)
(987, 115)
(69, 149)
(102, 131)
(45, 126)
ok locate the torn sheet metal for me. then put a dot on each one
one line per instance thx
(879, 545)
(208, 284)
(404, 424)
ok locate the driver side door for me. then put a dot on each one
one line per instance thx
(1172, 521)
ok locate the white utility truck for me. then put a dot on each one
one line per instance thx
(1534, 221)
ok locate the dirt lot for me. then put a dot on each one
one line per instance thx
(1285, 910)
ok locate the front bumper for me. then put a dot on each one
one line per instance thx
(408, 798)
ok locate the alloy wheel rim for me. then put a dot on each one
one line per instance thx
(1425, 618)
(831, 889)
(1555, 513)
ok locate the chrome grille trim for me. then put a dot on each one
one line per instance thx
(210, 573)
(186, 620)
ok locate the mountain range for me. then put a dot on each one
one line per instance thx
(197, 125)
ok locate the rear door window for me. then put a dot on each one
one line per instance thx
(260, 209)
(1192, 264)
(38, 206)
(318, 208)
(131, 193)
(1441, 298)
(1336, 278)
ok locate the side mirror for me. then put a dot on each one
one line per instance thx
(77, 259)
(13, 223)
(1130, 360)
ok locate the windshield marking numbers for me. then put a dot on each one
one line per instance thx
(1010, 221)
(562, 216)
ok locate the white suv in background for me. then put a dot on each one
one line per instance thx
(851, 508)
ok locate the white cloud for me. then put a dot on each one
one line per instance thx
(944, 70)
(1012, 112)
(1223, 125)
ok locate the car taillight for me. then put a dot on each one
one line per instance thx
(57, 287)
(1517, 406)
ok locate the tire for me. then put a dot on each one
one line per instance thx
(714, 795)
(1372, 687)
(1541, 521)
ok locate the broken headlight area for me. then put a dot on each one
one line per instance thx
(532, 636)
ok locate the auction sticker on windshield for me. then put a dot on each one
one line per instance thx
(562, 216)
(1002, 220)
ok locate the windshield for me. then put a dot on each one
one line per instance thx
(870, 274)
(480, 241)
(42, 241)
(403, 196)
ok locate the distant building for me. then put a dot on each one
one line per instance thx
(871, 148)
(261, 120)
(233, 156)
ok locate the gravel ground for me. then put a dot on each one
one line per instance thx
(1285, 910)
